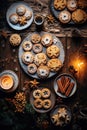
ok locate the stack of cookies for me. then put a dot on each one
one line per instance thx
(71, 10)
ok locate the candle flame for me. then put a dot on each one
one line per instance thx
(80, 64)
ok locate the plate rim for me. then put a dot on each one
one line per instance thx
(60, 106)
(23, 66)
(45, 110)
(15, 26)
(15, 77)
(74, 89)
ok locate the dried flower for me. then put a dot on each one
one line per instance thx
(50, 18)
(34, 83)
(22, 20)
(4, 34)
(19, 101)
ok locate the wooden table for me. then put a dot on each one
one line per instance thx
(73, 46)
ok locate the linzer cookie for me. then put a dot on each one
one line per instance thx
(72, 5)
(64, 16)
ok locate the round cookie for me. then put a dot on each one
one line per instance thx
(45, 93)
(15, 39)
(59, 4)
(35, 38)
(27, 46)
(54, 64)
(79, 16)
(43, 71)
(37, 48)
(47, 39)
(37, 93)
(64, 16)
(40, 58)
(72, 5)
(20, 10)
(47, 103)
(13, 18)
(38, 103)
(28, 14)
(27, 57)
(53, 51)
(32, 68)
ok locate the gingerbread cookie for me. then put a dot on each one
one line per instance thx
(15, 39)
(54, 64)
(40, 58)
(53, 51)
(59, 4)
(79, 16)
(35, 38)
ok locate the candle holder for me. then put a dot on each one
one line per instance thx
(38, 20)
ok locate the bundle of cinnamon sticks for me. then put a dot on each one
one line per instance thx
(65, 85)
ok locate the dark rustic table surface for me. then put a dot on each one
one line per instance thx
(74, 40)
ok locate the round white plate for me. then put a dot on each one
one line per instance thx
(55, 112)
(12, 9)
(42, 110)
(15, 79)
(56, 42)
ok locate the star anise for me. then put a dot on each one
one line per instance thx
(4, 34)
(34, 84)
(50, 18)
(59, 100)
(22, 20)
